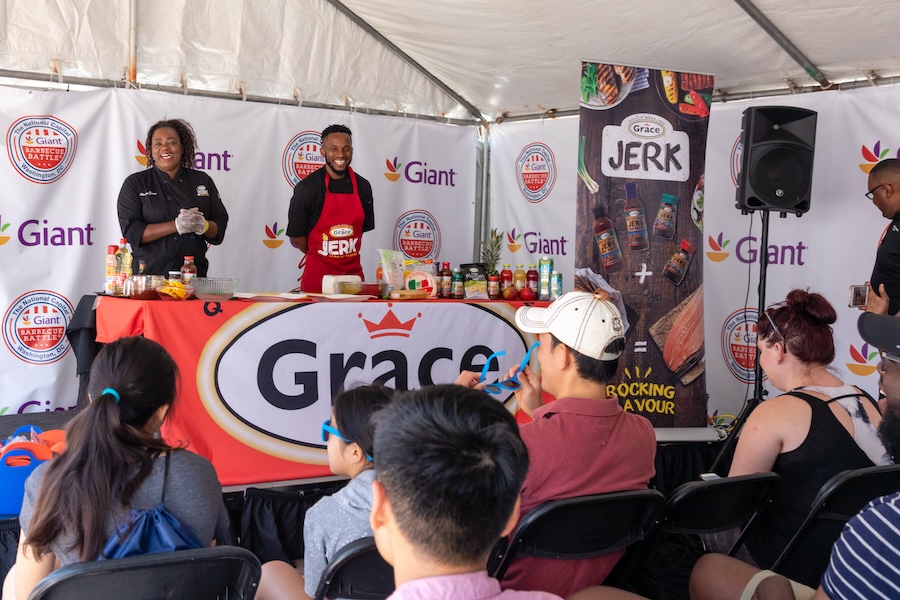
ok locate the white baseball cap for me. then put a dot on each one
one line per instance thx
(585, 322)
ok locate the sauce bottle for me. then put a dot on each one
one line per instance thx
(605, 234)
(493, 287)
(446, 281)
(458, 291)
(188, 270)
(664, 226)
(519, 277)
(506, 277)
(531, 278)
(634, 219)
(677, 266)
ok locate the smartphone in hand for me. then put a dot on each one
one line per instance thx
(859, 296)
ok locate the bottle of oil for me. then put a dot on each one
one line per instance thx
(123, 266)
(635, 222)
(605, 234)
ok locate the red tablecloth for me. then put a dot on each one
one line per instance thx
(257, 378)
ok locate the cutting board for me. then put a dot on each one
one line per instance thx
(659, 331)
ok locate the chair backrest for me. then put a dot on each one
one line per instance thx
(806, 556)
(584, 527)
(719, 504)
(202, 574)
(357, 572)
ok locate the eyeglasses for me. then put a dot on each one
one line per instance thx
(507, 385)
(774, 326)
(871, 192)
(888, 357)
(328, 429)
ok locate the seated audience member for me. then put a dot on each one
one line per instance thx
(336, 520)
(583, 442)
(864, 559)
(818, 428)
(450, 465)
(114, 462)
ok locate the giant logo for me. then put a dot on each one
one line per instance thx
(418, 235)
(739, 344)
(34, 327)
(41, 148)
(536, 171)
(268, 375)
(302, 156)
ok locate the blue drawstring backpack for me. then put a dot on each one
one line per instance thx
(150, 531)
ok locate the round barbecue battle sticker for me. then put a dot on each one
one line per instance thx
(536, 171)
(302, 156)
(41, 148)
(739, 344)
(34, 327)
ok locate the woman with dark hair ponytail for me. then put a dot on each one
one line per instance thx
(114, 462)
(819, 427)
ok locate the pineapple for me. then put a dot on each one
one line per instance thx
(490, 252)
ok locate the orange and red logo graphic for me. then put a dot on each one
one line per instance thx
(142, 157)
(873, 156)
(272, 235)
(390, 325)
(41, 148)
(393, 169)
(514, 245)
(861, 360)
(717, 248)
(3, 227)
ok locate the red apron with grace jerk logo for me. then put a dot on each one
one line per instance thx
(336, 238)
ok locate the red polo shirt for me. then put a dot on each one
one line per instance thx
(578, 447)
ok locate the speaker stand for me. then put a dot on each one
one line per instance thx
(758, 392)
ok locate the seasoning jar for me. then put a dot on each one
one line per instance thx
(664, 226)
(493, 287)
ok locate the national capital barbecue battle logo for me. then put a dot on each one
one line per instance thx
(418, 235)
(41, 148)
(34, 327)
(302, 156)
(739, 344)
(536, 171)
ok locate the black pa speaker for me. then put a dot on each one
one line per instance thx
(777, 161)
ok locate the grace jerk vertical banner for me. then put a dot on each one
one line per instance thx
(639, 228)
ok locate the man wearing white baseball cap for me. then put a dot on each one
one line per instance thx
(582, 442)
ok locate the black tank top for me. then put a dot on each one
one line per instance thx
(827, 450)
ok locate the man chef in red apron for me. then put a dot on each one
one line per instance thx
(330, 210)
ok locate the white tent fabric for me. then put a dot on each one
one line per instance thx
(504, 57)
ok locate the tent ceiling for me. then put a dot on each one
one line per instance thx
(514, 57)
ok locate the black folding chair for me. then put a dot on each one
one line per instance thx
(806, 556)
(223, 572)
(357, 572)
(719, 505)
(583, 527)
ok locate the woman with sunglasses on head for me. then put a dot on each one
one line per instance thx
(336, 520)
(819, 427)
(114, 462)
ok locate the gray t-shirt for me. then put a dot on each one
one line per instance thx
(193, 494)
(332, 523)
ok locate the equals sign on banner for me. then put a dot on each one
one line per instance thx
(640, 346)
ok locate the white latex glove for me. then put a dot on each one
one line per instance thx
(200, 225)
(185, 221)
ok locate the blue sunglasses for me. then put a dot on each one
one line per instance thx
(507, 385)
(328, 429)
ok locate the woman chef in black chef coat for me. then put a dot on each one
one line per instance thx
(171, 210)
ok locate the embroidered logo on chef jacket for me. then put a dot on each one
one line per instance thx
(339, 242)
(202, 191)
(147, 193)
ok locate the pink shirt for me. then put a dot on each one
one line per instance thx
(578, 447)
(466, 586)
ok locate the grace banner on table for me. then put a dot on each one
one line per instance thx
(642, 144)
(67, 153)
(258, 378)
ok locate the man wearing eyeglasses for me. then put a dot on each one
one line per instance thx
(884, 284)
(582, 443)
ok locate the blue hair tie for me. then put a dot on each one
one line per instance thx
(112, 393)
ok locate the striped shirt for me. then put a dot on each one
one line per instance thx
(865, 561)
